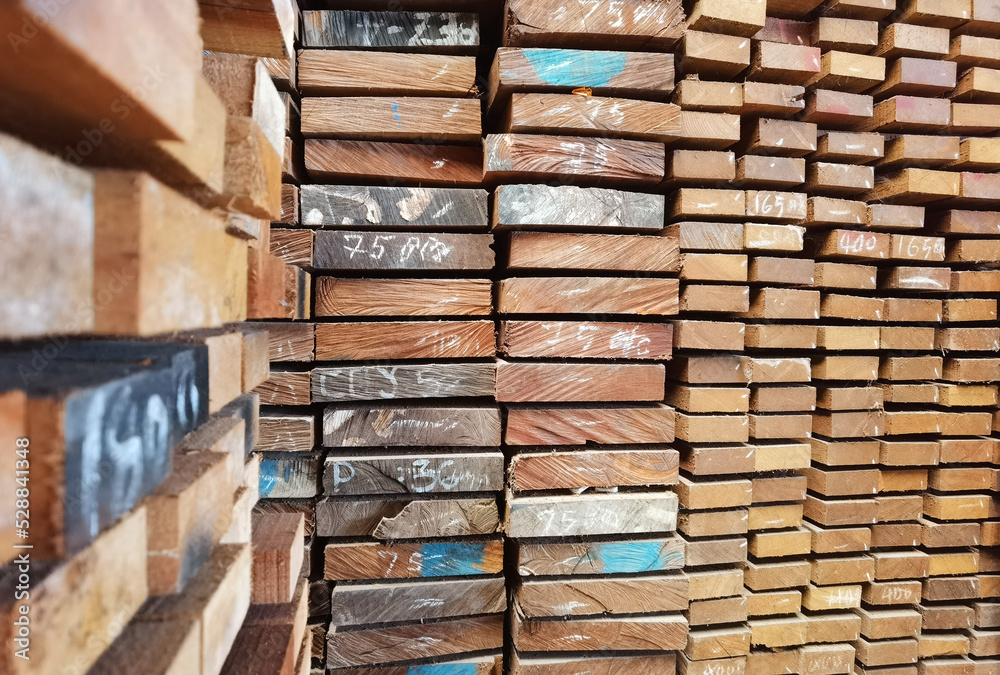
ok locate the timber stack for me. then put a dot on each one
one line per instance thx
(404, 371)
(643, 336)
(129, 421)
(589, 281)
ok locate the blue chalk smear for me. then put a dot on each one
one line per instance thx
(632, 556)
(449, 560)
(443, 669)
(268, 476)
(575, 67)
(395, 113)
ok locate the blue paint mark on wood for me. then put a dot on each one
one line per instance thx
(268, 476)
(575, 67)
(395, 114)
(443, 669)
(626, 557)
(446, 559)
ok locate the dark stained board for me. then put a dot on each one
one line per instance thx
(385, 426)
(416, 473)
(410, 207)
(360, 250)
(441, 32)
(399, 381)
(104, 417)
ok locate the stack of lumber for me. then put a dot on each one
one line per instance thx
(137, 178)
(590, 276)
(137, 477)
(393, 222)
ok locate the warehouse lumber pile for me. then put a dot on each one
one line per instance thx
(750, 302)
(408, 510)
(642, 336)
(128, 414)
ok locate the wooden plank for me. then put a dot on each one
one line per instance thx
(531, 113)
(714, 54)
(438, 32)
(345, 72)
(781, 137)
(405, 340)
(67, 413)
(708, 130)
(360, 250)
(545, 382)
(527, 157)
(527, 426)
(109, 585)
(373, 383)
(188, 514)
(767, 98)
(784, 63)
(363, 604)
(582, 339)
(392, 119)
(714, 266)
(837, 108)
(430, 473)
(403, 297)
(392, 517)
(522, 665)
(848, 35)
(359, 206)
(583, 597)
(721, 16)
(659, 632)
(39, 188)
(67, 83)
(144, 229)
(345, 426)
(572, 295)
(605, 73)
(568, 206)
(599, 557)
(597, 514)
(637, 24)
(428, 165)
(553, 250)
(907, 39)
(377, 560)
(364, 646)
(178, 648)
(849, 72)
(277, 556)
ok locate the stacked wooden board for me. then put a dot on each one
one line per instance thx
(130, 471)
(402, 367)
(650, 337)
(590, 277)
(781, 154)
